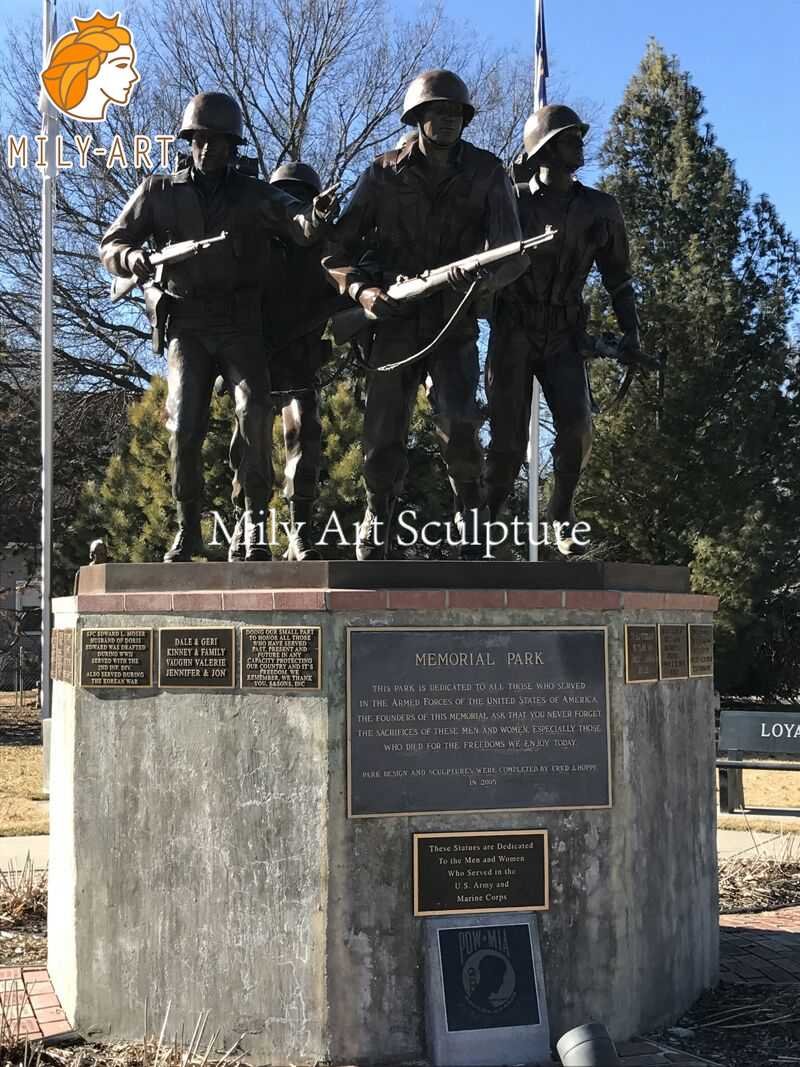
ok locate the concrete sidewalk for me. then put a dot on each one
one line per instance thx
(14, 850)
(758, 844)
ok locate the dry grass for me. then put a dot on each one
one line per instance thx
(23, 895)
(20, 783)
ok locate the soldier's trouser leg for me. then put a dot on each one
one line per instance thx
(566, 390)
(390, 402)
(297, 376)
(452, 393)
(190, 377)
(509, 381)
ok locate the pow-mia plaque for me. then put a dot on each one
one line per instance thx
(480, 719)
(62, 656)
(281, 657)
(641, 653)
(484, 871)
(117, 658)
(701, 650)
(673, 650)
(195, 657)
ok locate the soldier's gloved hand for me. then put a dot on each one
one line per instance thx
(460, 279)
(138, 263)
(630, 349)
(326, 204)
(378, 304)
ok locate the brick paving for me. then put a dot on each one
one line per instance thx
(760, 949)
(29, 1006)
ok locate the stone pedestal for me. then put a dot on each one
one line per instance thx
(201, 850)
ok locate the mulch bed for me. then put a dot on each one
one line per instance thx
(19, 725)
(751, 885)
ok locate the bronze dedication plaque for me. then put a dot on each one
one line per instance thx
(476, 719)
(281, 657)
(641, 653)
(485, 871)
(196, 657)
(62, 656)
(673, 651)
(117, 658)
(701, 650)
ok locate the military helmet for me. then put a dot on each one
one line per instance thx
(300, 173)
(214, 112)
(435, 85)
(546, 123)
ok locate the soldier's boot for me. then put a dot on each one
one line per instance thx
(561, 515)
(471, 519)
(303, 535)
(375, 529)
(255, 548)
(189, 538)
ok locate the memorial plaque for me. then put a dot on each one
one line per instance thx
(485, 871)
(62, 656)
(196, 657)
(117, 658)
(488, 977)
(483, 719)
(701, 650)
(281, 657)
(673, 651)
(641, 653)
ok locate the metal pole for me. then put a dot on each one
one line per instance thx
(48, 195)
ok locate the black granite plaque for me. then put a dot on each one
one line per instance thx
(62, 656)
(673, 651)
(488, 978)
(476, 719)
(467, 873)
(641, 653)
(117, 658)
(281, 657)
(196, 657)
(701, 650)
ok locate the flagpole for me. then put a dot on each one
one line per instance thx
(539, 100)
(48, 195)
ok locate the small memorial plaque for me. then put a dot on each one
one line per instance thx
(471, 873)
(701, 650)
(196, 657)
(488, 977)
(281, 657)
(641, 653)
(117, 659)
(62, 656)
(673, 651)
(483, 719)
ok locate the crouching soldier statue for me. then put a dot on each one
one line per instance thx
(539, 322)
(209, 305)
(435, 200)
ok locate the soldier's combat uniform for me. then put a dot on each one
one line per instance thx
(538, 328)
(411, 218)
(214, 308)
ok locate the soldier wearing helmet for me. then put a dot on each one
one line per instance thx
(435, 199)
(213, 303)
(539, 322)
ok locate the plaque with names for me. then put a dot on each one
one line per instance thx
(477, 719)
(673, 651)
(641, 653)
(488, 977)
(483, 871)
(62, 656)
(281, 657)
(196, 657)
(117, 658)
(701, 650)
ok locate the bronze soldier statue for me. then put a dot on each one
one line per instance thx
(539, 322)
(213, 303)
(434, 200)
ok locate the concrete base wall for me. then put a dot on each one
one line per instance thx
(201, 853)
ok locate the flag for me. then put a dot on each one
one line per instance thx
(541, 72)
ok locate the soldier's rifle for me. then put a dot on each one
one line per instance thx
(174, 253)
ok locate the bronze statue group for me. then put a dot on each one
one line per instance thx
(252, 309)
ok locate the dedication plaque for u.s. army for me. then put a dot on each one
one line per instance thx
(701, 650)
(198, 657)
(281, 657)
(481, 871)
(673, 651)
(117, 658)
(641, 653)
(481, 719)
